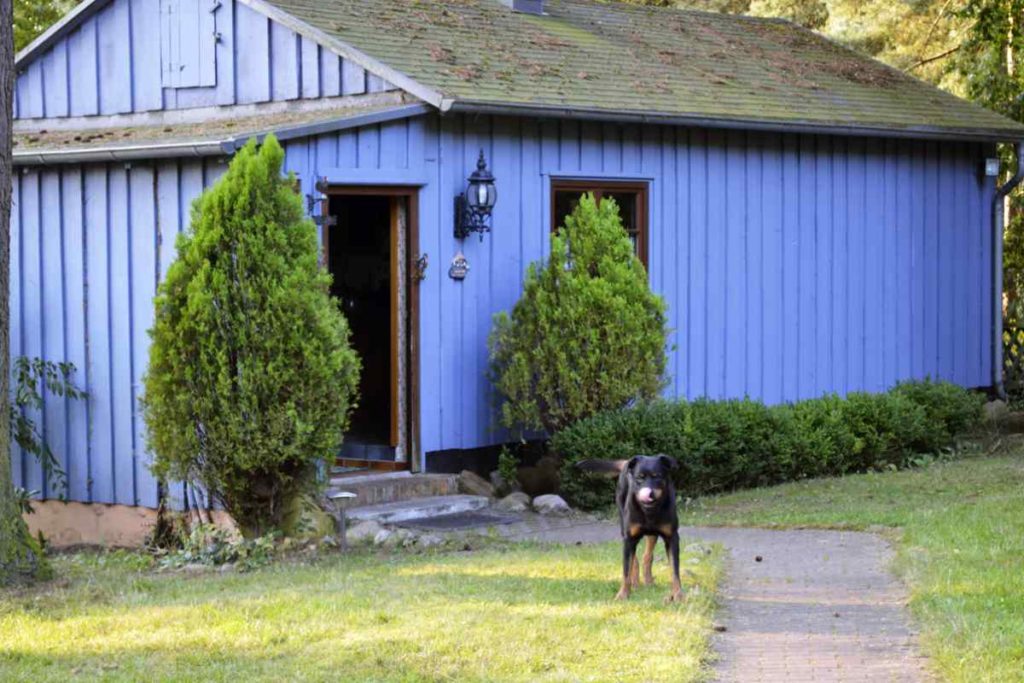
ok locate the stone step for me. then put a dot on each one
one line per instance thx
(417, 508)
(392, 487)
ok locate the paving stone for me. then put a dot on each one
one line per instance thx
(780, 613)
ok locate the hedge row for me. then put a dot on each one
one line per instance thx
(727, 445)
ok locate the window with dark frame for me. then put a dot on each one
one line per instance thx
(630, 196)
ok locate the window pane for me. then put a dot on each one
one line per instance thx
(565, 203)
(627, 210)
(629, 200)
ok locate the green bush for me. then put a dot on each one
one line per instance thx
(587, 335)
(950, 410)
(251, 377)
(727, 445)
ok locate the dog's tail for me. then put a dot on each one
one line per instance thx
(607, 467)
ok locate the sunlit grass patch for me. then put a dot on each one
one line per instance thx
(522, 613)
(959, 529)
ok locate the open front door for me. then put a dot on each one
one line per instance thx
(368, 254)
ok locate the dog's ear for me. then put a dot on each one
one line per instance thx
(631, 464)
(667, 461)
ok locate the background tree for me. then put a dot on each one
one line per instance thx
(991, 62)
(251, 376)
(20, 556)
(32, 17)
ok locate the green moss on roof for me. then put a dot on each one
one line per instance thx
(622, 58)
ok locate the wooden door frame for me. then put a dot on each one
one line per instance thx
(411, 194)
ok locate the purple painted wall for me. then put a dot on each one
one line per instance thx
(113, 64)
(792, 265)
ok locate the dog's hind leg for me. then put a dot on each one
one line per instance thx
(652, 541)
(628, 558)
(672, 546)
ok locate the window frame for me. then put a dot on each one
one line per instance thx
(599, 187)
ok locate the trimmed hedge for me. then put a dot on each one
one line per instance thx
(727, 445)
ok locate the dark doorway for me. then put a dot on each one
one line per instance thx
(359, 257)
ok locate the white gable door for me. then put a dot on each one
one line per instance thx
(188, 42)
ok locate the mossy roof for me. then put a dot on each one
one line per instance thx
(606, 57)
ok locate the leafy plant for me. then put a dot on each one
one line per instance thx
(727, 445)
(207, 544)
(587, 335)
(251, 376)
(508, 465)
(33, 379)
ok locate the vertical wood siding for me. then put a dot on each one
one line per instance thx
(792, 265)
(111, 64)
(88, 246)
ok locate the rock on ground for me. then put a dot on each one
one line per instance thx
(996, 410)
(429, 540)
(551, 504)
(363, 531)
(514, 502)
(501, 486)
(475, 485)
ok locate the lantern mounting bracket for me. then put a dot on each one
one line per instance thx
(468, 221)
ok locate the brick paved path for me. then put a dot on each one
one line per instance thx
(820, 606)
(780, 613)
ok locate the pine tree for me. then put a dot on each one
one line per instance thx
(587, 335)
(251, 377)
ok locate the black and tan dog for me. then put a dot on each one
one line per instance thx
(646, 499)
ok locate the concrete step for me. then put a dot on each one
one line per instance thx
(417, 508)
(392, 487)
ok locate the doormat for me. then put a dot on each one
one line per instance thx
(460, 520)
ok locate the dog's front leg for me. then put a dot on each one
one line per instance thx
(673, 552)
(652, 541)
(628, 556)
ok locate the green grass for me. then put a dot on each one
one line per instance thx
(959, 532)
(517, 613)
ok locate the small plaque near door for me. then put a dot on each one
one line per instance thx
(459, 268)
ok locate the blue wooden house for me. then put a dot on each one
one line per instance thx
(816, 221)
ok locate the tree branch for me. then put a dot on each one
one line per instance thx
(934, 58)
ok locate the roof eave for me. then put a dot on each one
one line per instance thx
(206, 148)
(120, 153)
(767, 125)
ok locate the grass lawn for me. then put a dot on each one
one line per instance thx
(960, 537)
(515, 613)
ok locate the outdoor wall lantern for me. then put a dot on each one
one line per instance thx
(474, 206)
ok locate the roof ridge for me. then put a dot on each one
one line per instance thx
(628, 6)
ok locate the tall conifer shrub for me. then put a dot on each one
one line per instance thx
(251, 377)
(587, 335)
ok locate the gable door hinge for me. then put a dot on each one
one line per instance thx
(217, 35)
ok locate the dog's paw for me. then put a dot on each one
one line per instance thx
(623, 594)
(674, 596)
(648, 580)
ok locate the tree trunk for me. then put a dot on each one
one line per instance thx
(20, 558)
